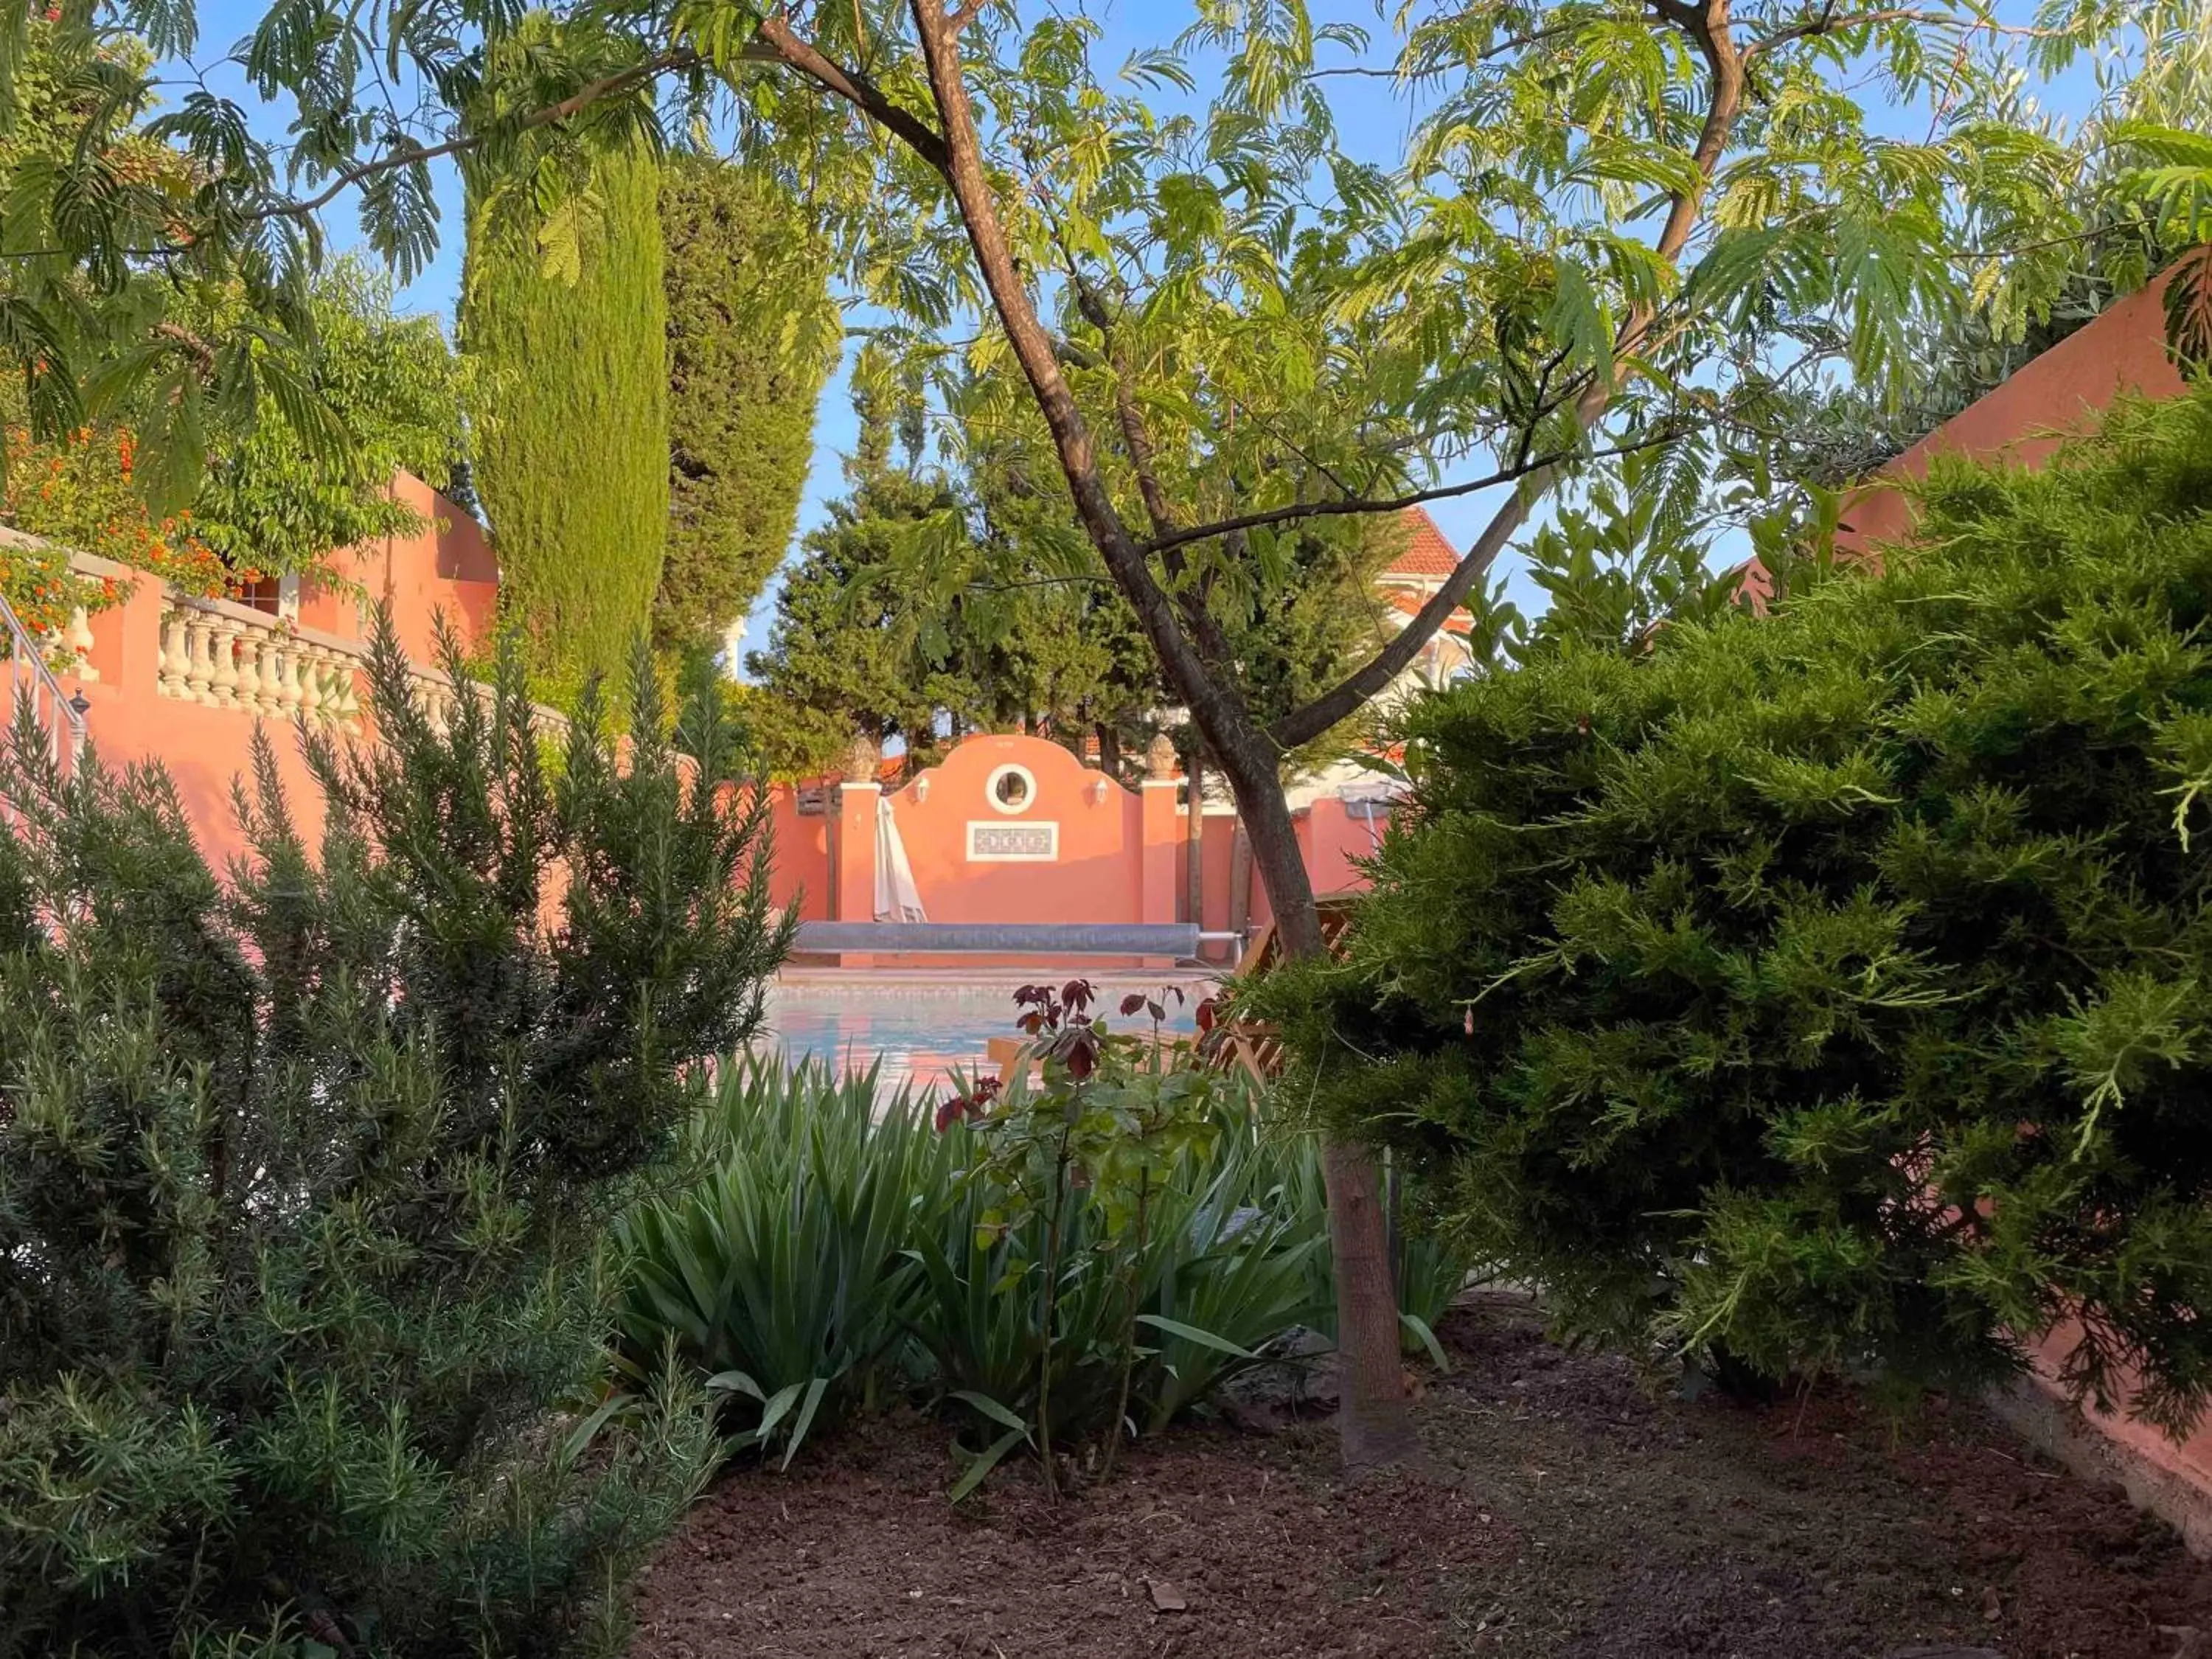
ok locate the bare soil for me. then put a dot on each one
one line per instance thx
(1567, 1514)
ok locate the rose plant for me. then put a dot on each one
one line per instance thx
(1112, 1117)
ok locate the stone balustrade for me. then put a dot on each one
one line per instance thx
(224, 655)
(229, 656)
(68, 648)
(439, 699)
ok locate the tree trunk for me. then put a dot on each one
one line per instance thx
(1375, 1425)
(1373, 1419)
(1240, 884)
(1193, 843)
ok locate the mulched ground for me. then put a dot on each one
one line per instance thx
(1567, 1515)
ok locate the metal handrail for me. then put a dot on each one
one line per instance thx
(60, 717)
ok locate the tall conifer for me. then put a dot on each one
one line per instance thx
(573, 457)
(752, 333)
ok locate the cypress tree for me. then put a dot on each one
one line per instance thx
(573, 457)
(752, 333)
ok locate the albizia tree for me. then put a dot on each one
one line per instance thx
(1619, 226)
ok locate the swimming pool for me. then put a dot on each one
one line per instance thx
(926, 1025)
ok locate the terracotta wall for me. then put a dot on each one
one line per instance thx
(1095, 876)
(204, 749)
(2023, 420)
(1119, 854)
(801, 872)
(446, 564)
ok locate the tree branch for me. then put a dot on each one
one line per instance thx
(1137, 443)
(1706, 23)
(856, 89)
(1351, 505)
(574, 104)
(1828, 23)
(1214, 702)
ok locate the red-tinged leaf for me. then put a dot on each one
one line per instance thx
(1206, 1015)
(1132, 1002)
(1082, 1056)
(1076, 994)
(1157, 1012)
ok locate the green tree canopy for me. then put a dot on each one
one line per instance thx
(400, 397)
(388, 391)
(2120, 171)
(752, 333)
(842, 658)
(1021, 639)
(572, 444)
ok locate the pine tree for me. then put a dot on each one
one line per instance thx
(304, 1179)
(573, 452)
(843, 655)
(752, 334)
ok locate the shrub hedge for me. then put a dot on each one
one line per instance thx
(1828, 990)
(304, 1175)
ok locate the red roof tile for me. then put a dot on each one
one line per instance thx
(1406, 605)
(1426, 553)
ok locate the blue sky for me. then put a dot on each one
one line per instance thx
(1373, 120)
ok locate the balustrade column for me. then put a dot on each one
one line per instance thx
(176, 668)
(347, 710)
(199, 652)
(292, 688)
(248, 687)
(272, 678)
(223, 686)
(310, 683)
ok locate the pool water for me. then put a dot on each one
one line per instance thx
(926, 1028)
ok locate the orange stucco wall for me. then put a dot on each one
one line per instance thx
(204, 749)
(1097, 875)
(1121, 853)
(800, 873)
(446, 565)
(2023, 420)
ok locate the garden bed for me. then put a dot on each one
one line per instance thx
(1568, 1515)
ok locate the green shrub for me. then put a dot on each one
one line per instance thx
(842, 1249)
(303, 1178)
(788, 1274)
(1215, 1276)
(1829, 989)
